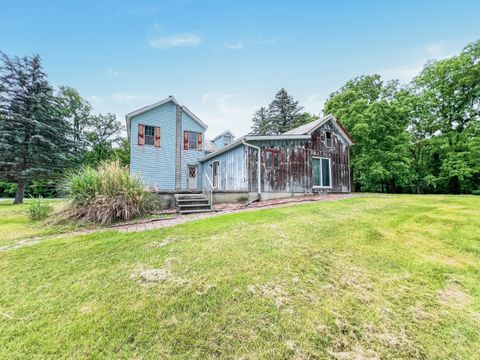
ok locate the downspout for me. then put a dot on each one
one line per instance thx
(259, 179)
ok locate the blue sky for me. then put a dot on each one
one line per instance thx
(225, 59)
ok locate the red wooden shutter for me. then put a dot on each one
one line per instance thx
(141, 134)
(157, 136)
(199, 146)
(185, 140)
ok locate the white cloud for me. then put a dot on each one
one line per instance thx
(112, 72)
(237, 45)
(431, 51)
(123, 98)
(94, 99)
(227, 111)
(176, 40)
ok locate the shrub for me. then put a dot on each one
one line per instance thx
(38, 209)
(105, 194)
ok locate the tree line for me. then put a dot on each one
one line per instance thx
(46, 131)
(421, 137)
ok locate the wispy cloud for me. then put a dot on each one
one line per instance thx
(228, 111)
(123, 97)
(237, 45)
(95, 99)
(159, 39)
(431, 51)
(176, 40)
(112, 72)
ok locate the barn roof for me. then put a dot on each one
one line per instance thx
(307, 129)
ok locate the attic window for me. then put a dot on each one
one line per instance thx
(328, 139)
(227, 140)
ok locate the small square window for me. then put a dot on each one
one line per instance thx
(149, 135)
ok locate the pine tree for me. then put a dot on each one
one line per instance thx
(34, 135)
(261, 122)
(283, 112)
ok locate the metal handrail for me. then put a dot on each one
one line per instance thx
(205, 190)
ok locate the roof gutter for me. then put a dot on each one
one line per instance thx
(259, 179)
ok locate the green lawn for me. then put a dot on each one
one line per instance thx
(372, 276)
(15, 225)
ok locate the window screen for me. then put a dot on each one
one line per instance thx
(149, 135)
(192, 140)
(325, 172)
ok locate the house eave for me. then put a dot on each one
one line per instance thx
(128, 117)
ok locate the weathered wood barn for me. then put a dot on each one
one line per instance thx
(308, 159)
(169, 152)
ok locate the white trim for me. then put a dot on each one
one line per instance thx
(218, 174)
(277, 137)
(321, 172)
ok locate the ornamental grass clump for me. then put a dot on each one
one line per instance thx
(38, 209)
(105, 194)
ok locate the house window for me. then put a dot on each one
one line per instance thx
(149, 135)
(272, 158)
(328, 139)
(321, 172)
(227, 140)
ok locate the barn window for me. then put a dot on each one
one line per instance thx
(321, 172)
(149, 135)
(328, 139)
(272, 158)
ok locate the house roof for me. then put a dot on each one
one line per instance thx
(307, 129)
(210, 147)
(144, 109)
(242, 139)
(228, 132)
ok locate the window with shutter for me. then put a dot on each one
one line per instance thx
(149, 135)
(157, 136)
(199, 142)
(141, 134)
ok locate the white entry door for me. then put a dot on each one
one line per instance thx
(192, 177)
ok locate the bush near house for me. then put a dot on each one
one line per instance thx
(105, 194)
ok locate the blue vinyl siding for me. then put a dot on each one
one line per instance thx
(156, 165)
(191, 157)
(233, 173)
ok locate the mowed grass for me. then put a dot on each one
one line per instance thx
(15, 224)
(371, 276)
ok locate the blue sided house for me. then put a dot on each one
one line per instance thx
(170, 153)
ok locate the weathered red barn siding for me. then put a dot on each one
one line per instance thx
(294, 173)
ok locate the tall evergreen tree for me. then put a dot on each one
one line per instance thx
(34, 135)
(283, 112)
(261, 122)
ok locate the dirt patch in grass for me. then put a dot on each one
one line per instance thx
(161, 244)
(270, 291)
(357, 353)
(453, 296)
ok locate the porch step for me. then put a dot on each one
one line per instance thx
(192, 203)
(185, 212)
